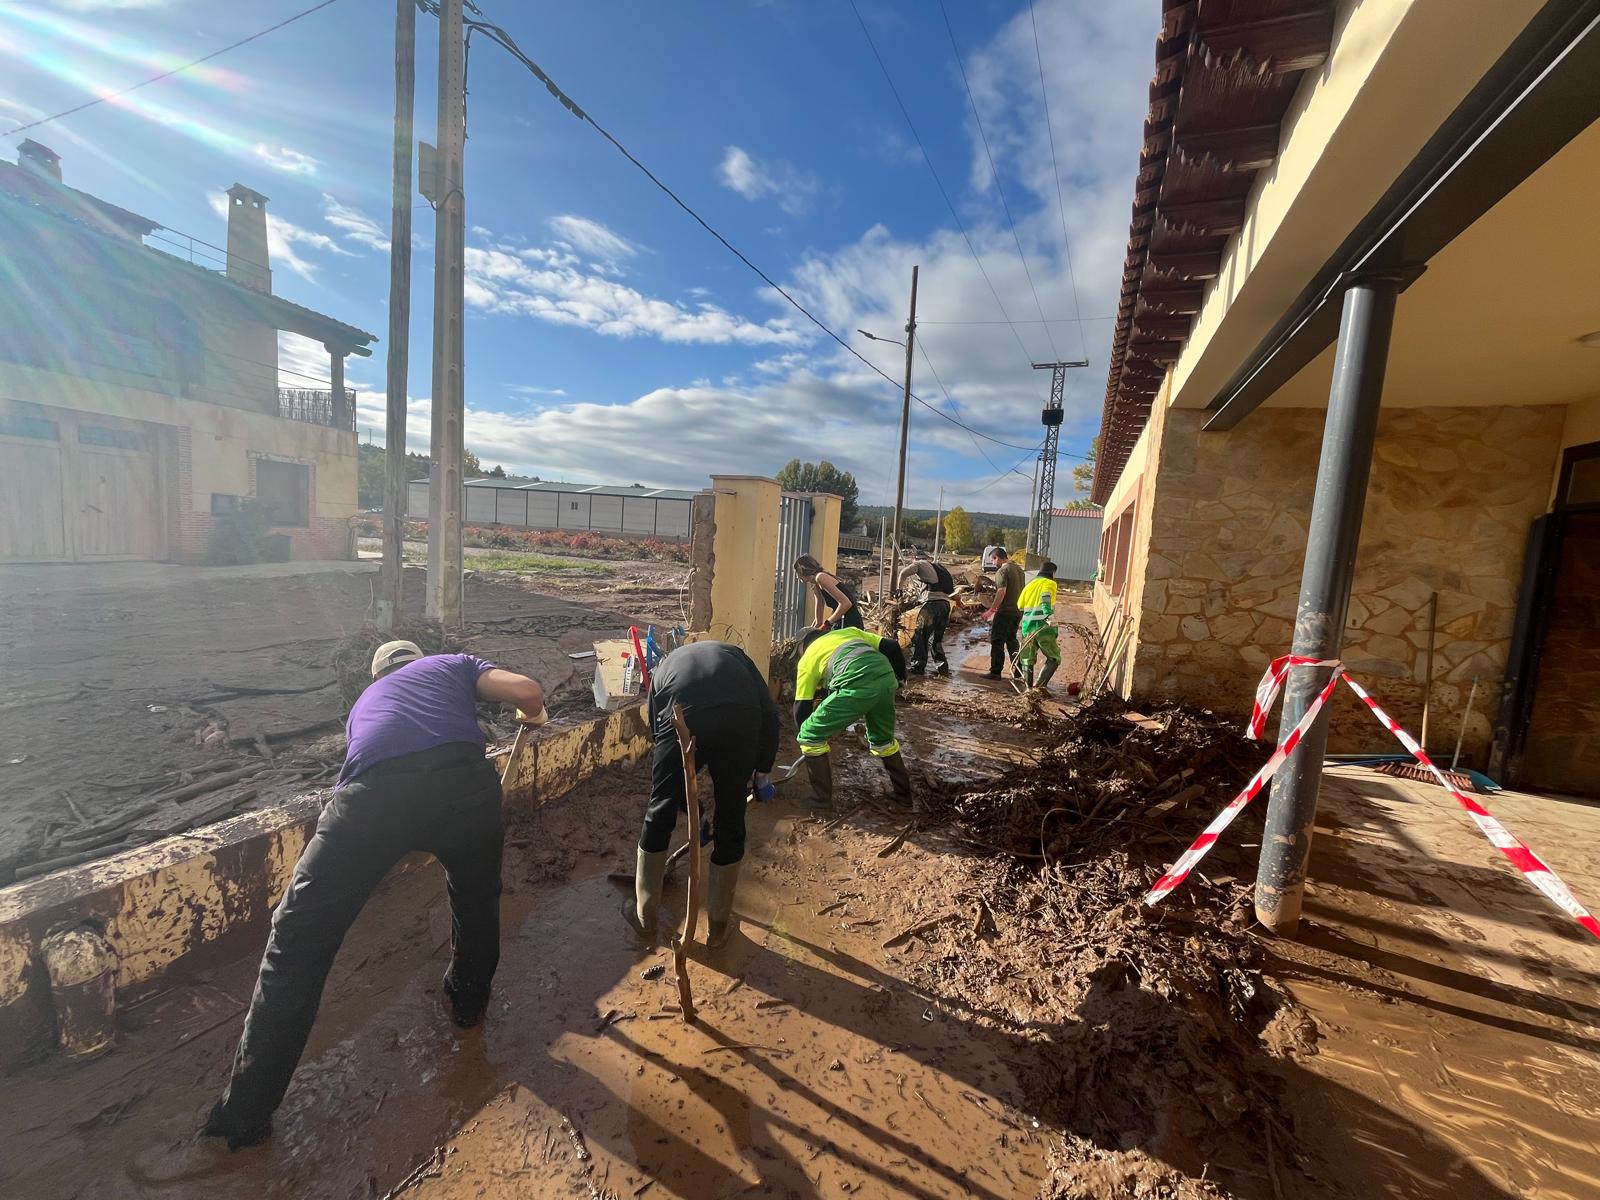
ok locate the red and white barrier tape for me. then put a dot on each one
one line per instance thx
(1536, 870)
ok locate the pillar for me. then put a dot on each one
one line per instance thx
(745, 550)
(343, 418)
(824, 546)
(1335, 532)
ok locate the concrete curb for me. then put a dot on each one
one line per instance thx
(194, 896)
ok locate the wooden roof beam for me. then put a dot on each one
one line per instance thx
(1203, 264)
(1161, 327)
(1286, 42)
(1223, 216)
(1184, 300)
(1240, 148)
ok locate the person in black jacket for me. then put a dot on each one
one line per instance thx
(729, 709)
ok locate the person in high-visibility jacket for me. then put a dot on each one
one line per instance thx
(1038, 601)
(845, 675)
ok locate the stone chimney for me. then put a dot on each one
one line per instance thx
(247, 239)
(39, 159)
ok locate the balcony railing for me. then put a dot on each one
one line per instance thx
(317, 408)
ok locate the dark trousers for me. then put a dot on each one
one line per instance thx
(445, 802)
(1003, 638)
(725, 744)
(929, 638)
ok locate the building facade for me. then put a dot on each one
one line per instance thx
(140, 406)
(1354, 397)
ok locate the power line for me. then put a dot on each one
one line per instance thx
(951, 400)
(995, 171)
(506, 41)
(260, 33)
(1056, 321)
(1011, 470)
(1055, 167)
(939, 183)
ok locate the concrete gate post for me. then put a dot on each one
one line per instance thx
(745, 551)
(824, 547)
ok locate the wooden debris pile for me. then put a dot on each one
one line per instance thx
(1161, 1037)
(1108, 766)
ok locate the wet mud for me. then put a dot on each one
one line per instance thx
(966, 1001)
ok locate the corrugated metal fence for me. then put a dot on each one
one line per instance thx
(1075, 542)
(790, 595)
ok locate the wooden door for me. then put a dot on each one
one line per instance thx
(32, 528)
(112, 495)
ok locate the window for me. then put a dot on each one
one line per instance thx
(1580, 478)
(105, 435)
(29, 427)
(285, 490)
(574, 506)
(222, 503)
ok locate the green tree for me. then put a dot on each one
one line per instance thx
(497, 472)
(470, 466)
(994, 536)
(797, 476)
(957, 529)
(1083, 473)
(371, 469)
(1013, 539)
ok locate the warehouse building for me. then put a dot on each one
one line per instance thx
(631, 511)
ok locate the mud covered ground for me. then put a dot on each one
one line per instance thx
(142, 699)
(965, 1002)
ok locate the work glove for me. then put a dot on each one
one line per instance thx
(763, 788)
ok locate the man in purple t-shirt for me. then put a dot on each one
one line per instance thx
(414, 778)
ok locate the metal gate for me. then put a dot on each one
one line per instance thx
(790, 595)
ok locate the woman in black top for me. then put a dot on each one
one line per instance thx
(836, 600)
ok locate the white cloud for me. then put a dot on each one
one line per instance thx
(285, 159)
(592, 238)
(795, 190)
(354, 225)
(523, 389)
(551, 284)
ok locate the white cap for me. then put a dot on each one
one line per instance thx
(393, 654)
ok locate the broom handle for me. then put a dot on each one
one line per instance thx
(1465, 713)
(1427, 667)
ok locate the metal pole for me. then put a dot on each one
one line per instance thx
(1341, 491)
(880, 558)
(905, 426)
(938, 524)
(391, 602)
(445, 493)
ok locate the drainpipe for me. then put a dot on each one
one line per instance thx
(83, 976)
(1346, 463)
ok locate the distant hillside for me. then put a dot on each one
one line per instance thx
(980, 520)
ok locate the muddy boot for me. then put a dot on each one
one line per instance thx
(719, 903)
(819, 770)
(1050, 666)
(649, 876)
(899, 777)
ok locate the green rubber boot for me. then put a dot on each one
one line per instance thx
(719, 903)
(649, 877)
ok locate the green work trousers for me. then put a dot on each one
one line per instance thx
(1042, 640)
(864, 687)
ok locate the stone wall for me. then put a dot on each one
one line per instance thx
(1452, 494)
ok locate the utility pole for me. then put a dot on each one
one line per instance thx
(449, 397)
(905, 427)
(1051, 417)
(391, 603)
(938, 524)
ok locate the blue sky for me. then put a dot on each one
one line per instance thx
(609, 338)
